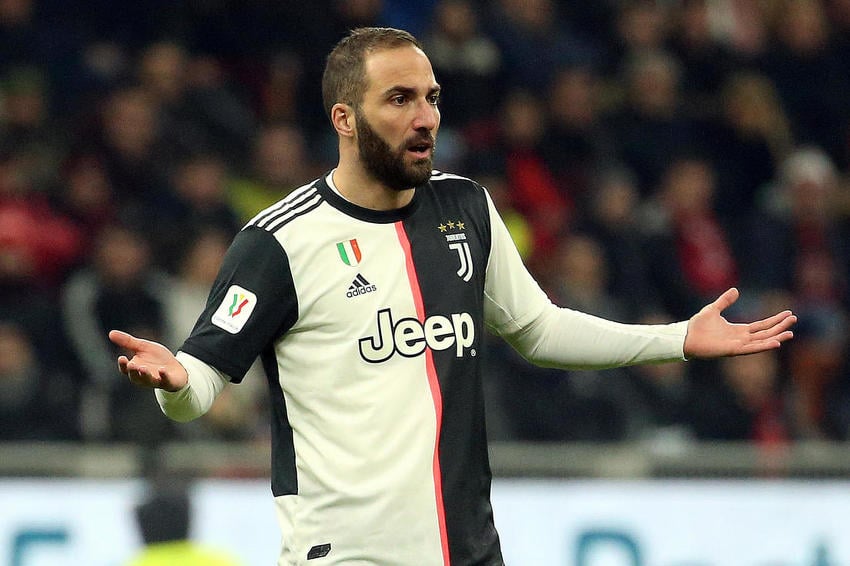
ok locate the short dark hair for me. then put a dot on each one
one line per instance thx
(344, 79)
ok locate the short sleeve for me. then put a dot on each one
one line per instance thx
(251, 304)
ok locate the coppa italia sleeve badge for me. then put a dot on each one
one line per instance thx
(235, 309)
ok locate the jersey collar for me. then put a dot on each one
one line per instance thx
(367, 214)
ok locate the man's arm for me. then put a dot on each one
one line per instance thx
(185, 386)
(196, 398)
(518, 310)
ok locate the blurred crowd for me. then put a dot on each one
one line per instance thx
(645, 154)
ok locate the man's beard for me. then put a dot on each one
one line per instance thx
(388, 166)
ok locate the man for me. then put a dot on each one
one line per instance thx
(164, 521)
(366, 294)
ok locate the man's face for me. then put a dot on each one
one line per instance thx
(392, 166)
(397, 122)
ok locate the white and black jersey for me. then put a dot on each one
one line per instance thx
(369, 325)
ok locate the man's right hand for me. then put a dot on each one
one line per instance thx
(151, 365)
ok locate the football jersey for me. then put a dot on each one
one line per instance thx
(369, 325)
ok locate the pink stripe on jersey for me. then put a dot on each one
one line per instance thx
(433, 383)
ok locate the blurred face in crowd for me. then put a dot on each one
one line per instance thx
(653, 83)
(121, 257)
(16, 351)
(202, 182)
(130, 123)
(163, 70)
(523, 119)
(753, 378)
(803, 26)
(456, 18)
(689, 187)
(202, 261)
(280, 156)
(397, 119)
(574, 97)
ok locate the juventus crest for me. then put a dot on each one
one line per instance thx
(456, 239)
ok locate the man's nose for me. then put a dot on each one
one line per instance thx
(427, 116)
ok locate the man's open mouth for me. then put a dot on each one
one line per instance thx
(421, 149)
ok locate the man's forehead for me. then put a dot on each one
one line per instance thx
(404, 66)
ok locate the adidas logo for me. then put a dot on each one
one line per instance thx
(360, 287)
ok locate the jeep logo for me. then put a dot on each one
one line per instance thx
(409, 337)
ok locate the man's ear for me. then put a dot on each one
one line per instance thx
(342, 118)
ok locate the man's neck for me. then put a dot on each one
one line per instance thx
(360, 188)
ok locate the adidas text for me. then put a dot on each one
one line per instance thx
(361, 291)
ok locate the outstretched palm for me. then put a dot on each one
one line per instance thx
(151, 365)
(711, 336)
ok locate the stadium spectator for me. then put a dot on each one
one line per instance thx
(199, 185)
(651, 110)
(803, 225)
(583, 274)
(129, 142)
(531, 181)
(746, 27)
(639, 26)
(122, 285)
(467, 61)
(279, 163)
(706, 60)
(800, 217)
(613, 218)
(38, 400)
(535, 41)
(30, 39)
(164, 520)
(663, 392)
(580, 406)
(27, 125)
(196, 109)
(749, 403)
(749, 139)
(810, 77)
(279, 91)
(85, 194)
(577, 144)
(690, 251)
(38, 243)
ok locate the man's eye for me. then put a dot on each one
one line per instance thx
(434, 99)
(398, 100)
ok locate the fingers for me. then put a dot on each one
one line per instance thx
(770, 333)
(138, 374)
(726, 300)
(779, 328)
(124, 340)
(122, 364)
(782, 337)
(773, 335)
(143, 375)
(784, 318)
(759, 346)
